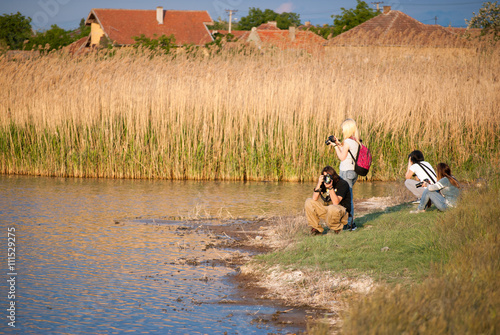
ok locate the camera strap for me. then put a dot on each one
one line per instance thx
(426, 170)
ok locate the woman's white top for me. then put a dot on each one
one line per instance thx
(348, 163)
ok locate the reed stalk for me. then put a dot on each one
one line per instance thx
(247, 116)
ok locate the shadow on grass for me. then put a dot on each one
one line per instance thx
(362, 220)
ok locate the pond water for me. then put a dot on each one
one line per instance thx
(78, 272)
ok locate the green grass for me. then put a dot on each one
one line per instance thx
(439, 276)
(460, 295)
(411, 240)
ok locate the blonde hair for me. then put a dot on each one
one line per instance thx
(349, 129)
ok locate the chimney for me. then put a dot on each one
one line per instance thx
(307, 24)
(387, 9)
(159, 14)
(291, 33)
(272, 23)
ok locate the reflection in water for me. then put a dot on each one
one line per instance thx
(79, 272)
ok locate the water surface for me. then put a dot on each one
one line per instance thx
(78, 272)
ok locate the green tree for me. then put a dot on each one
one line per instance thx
(350, 18)
(285, 20)
(165, 43)
(14, 30)
(325, 31)
(54, 38)
(488, 19)
(82, 30)
(256, 17)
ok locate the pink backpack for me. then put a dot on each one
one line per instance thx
(363, 160)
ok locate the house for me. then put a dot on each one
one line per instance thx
(269, 35)
(395, 28)
(119, 26)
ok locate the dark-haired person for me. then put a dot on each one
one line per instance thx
(422, 170)
(443, 194)
(330, 202)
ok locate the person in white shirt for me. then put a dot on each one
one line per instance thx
(346, 168)
(422, 170)
(443, 194)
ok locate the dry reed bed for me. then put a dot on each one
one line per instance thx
(245, 117)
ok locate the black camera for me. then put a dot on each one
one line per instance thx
(417, 185)
(330, 139)
(327, 179)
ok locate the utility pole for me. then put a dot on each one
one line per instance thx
(435, 20)
(230, 11)
(377, 3)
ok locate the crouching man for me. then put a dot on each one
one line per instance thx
(331, 202)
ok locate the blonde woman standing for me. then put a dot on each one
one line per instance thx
(346, 168)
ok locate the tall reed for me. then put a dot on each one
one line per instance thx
(251, 116)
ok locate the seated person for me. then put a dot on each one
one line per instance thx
(422, 169)
(443, 194)
(333, 207)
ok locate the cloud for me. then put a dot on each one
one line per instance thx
(285, 7)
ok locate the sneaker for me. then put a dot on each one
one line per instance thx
(416, 211)
(353, 227)
(416, 202)
(346, 227)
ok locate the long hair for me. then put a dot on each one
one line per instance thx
(331, 171)
(349, 129)
(443, 170)
(416, 156)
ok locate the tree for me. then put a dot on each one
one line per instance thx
(14, 29)
(285, 20)
(164, 43)
(325, 31)
(351, 18)
(54, 38)
(256, 17)
(82, 30)
(488, 19)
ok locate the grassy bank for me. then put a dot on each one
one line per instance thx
(434, 273)
(257, 116)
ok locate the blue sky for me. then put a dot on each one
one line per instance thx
(68, 13)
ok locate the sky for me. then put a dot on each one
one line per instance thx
(68, 13)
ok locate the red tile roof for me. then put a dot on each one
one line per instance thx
(393, 28)
(78, 46)
(283, 39)
(120, 25)
(271, 25)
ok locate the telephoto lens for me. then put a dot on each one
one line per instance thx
(327, 179)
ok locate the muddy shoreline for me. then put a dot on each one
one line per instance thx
(275, 287)
(249, 237)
